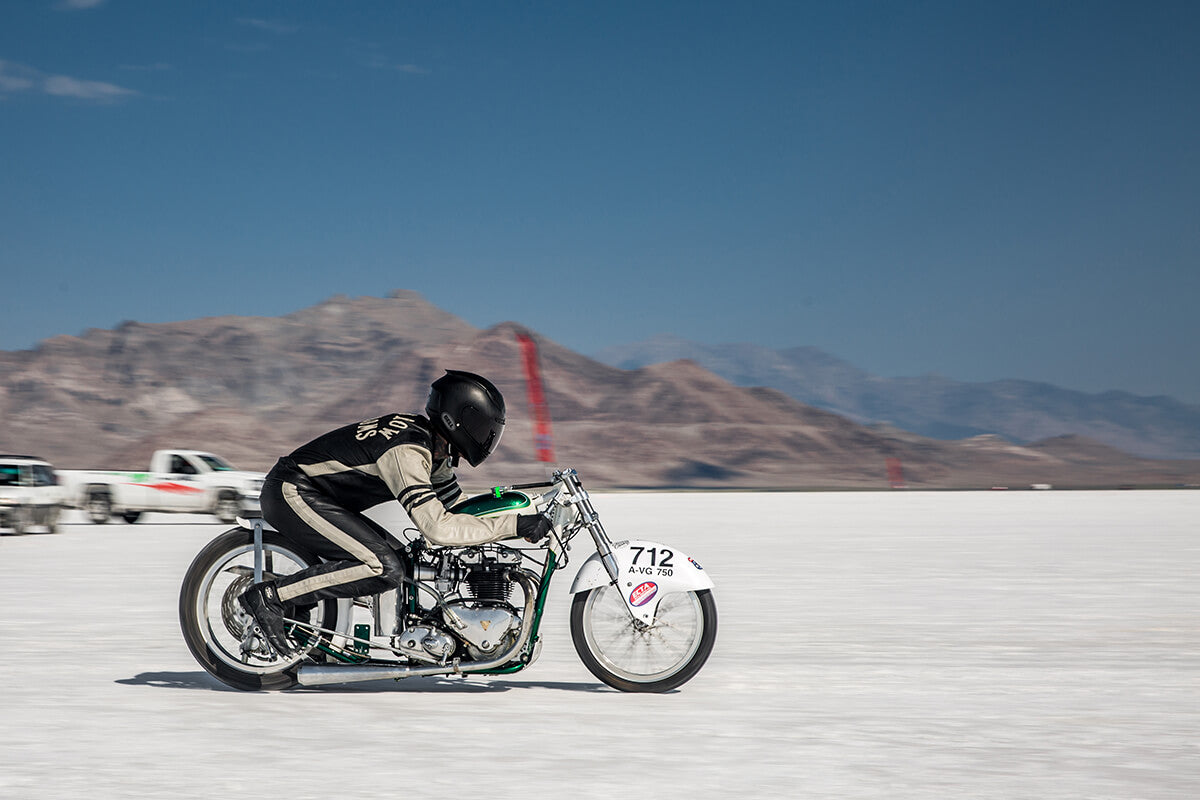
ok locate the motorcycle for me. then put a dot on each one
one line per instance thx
(643, 617)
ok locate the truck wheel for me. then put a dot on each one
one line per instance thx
(228, 507)
(20, 520)
(131, 516)
(99, 506)
(52, 519)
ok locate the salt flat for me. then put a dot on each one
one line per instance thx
(871, 645)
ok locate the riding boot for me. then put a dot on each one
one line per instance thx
(261, 601)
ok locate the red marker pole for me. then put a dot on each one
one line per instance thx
(895, 473)
(543, 440)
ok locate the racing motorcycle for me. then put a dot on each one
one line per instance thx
(643, 617)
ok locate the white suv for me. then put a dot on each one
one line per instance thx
(29, 494)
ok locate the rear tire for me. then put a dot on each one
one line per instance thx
(214, 624)
(638, 658)
(98, 506)
(131, 516)
(228, 507)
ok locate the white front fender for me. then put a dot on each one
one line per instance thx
(648, 572)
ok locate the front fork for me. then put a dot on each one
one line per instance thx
(580, 498)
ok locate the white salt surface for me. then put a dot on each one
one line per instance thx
(902, 645)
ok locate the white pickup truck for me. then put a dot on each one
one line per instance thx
(178, 481)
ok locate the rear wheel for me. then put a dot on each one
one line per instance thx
(131, 516)
(98, 506)
(632, 656)
(228, 507)
(219, 633)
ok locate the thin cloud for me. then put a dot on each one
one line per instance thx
(64, 86)
(253, 47)
(368, 55)
(20, 78)
(274, 26)
(375, 61)
(380, 62)
(159, 66)
(16, 78)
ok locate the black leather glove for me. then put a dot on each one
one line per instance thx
(533, 527)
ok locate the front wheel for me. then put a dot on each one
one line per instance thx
(632, 656)
(219, 633)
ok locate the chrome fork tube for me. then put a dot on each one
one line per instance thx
(591, 520)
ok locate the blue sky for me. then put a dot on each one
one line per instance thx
(976, 190)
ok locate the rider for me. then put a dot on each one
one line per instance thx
(315, 498)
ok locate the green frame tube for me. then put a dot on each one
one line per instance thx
(543, 590)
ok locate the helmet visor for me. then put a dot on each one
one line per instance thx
(483, 429)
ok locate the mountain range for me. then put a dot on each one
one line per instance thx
(937, 407)
(254, 388)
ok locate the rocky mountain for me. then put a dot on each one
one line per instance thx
(253, 388)
(1020, 411)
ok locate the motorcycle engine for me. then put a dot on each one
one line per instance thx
(480, 617)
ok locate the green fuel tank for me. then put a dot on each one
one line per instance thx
(492, 504)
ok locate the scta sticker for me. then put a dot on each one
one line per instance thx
(643, 593)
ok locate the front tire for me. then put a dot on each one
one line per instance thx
(20, 520)
(633, 657)
(216, 628)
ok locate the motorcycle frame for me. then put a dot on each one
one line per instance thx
(569, 507)
(411, 600)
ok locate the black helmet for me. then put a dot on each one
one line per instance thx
(469, 412)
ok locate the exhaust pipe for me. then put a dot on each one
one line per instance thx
(322, 674)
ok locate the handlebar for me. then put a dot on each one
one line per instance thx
(559, 474)
(498, 491)
(579, 498)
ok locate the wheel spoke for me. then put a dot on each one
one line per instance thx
(642, 654)
(225, 623)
